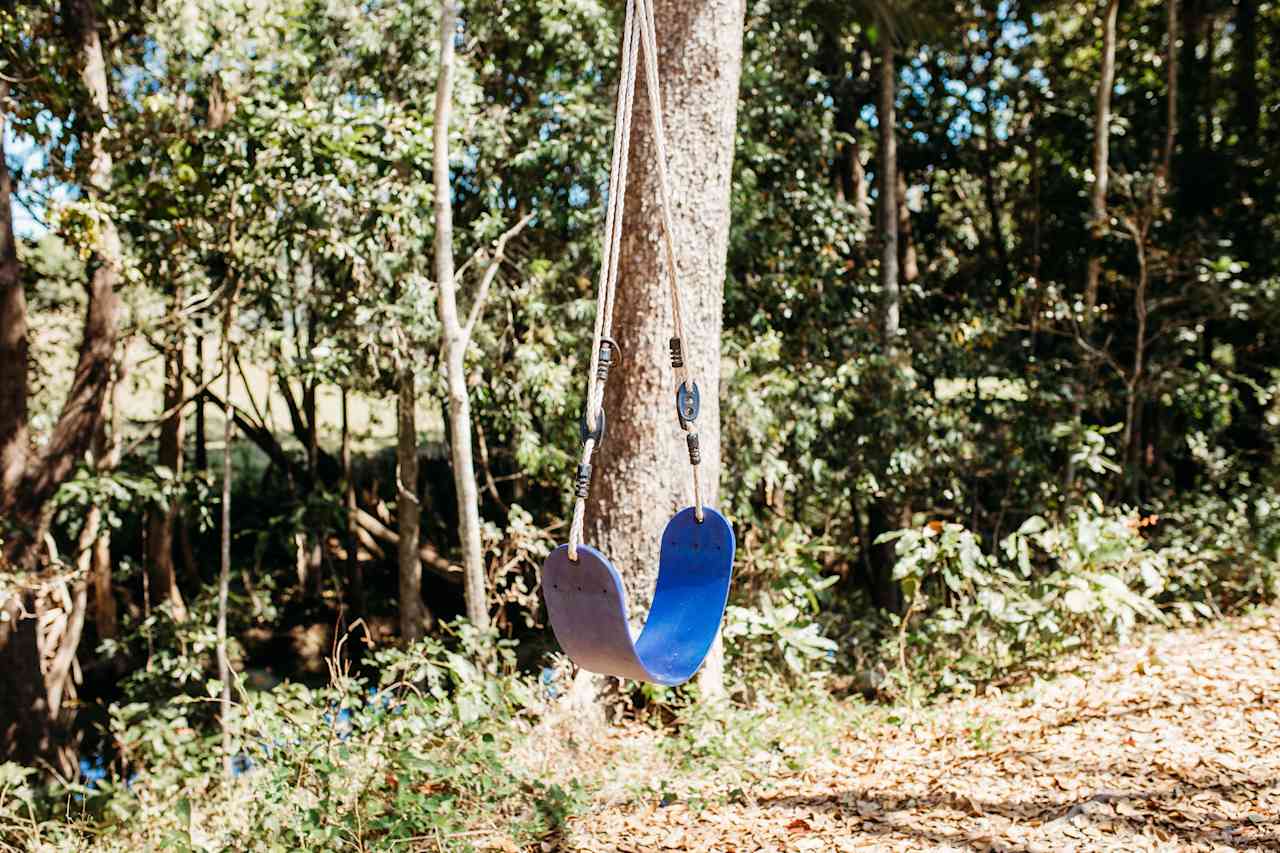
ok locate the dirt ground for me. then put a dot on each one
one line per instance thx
(1171, 743)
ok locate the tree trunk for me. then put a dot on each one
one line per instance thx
(33, 681)
(412, 616)
(1247, 121)
(354, 569)
(456, 337)
(1101, 160)
(1192, 190)
(643, 474)
(881, 512)
(890, 289)
(83, 409)
(202, 446)
(908, 264)
(13, 336)
(1098, 218)
(224, 571)
(161, 520)
(95, 552)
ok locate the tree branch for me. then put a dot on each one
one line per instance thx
(491, 272)
(431, 559)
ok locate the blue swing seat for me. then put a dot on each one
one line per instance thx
(588, 604)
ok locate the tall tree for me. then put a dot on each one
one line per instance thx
(1101, 158)
(413, 614)
(643, 475)
(883, 514)
(33, 676)
(456, 335)
(13, 333)
(1098, 217)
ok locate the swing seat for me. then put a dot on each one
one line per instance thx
(588, 604)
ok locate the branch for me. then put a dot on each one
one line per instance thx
(491, 272)
(152, 423)
(430, 557)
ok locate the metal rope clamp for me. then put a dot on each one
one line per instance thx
(688, 404)
(597, 434)
(610, 357)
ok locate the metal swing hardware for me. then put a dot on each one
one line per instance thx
(688, 403)
(610, 357)
(597, 434)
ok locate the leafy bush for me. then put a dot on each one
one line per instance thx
(1050, 587)
(773, 632)
(423, 750)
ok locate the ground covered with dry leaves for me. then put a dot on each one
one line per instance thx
(1170, 743)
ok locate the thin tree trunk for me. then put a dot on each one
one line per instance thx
(1209, 127)
(882, 514)
(412, 616)
(858, 183)
(1098, 217)
(161, 520)
(890, 288)
(224, 572)
(908, 264)
(643, 473)
(1171, 96)
(456, 336)
(95, 556)
(1133, 382)
(311, 558)
(202, 446)
(1247, 121)
(1101, 160)
(354, 569)
(1037, 216)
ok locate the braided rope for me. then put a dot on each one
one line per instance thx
(634, 39)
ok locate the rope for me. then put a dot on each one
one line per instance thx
(632, 42)
(649, 32)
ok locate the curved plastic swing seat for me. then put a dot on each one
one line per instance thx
(588, 606)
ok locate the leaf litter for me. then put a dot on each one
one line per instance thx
(1170, 743)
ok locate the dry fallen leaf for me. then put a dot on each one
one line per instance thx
(1169, 744)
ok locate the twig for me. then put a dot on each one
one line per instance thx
(491, 272)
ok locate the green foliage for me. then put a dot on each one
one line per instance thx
(775, 637)
(425, 750)
(1048, 589)
(284, 149)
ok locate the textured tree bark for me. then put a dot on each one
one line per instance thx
(643, 473)
(456, 337)
(412, 621)
(161, 521)
(32, 720)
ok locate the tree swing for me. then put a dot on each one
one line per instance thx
(585, 596)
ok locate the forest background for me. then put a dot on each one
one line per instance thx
(295, 313)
